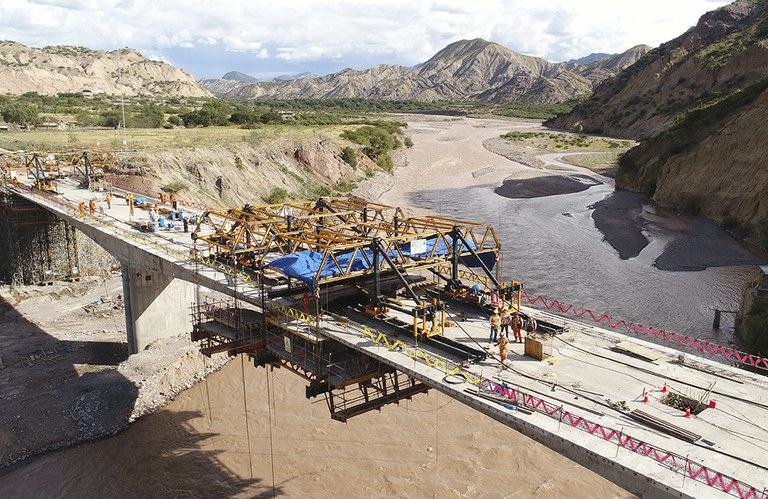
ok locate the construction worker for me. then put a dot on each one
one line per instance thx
(531, 325)
(92, 206)
(517, 325)
(129, 199)
(109, 201)
(503, 344)
(495, 323)
(162, 198)
(505, 320)
(82, 208)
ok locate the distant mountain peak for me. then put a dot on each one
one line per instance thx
(473, 69)
(299, 76)
(238, 76)
(588, 59)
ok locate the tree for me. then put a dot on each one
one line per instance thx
(349, 156)
(150, 116)
(19, 113)
(111, 118)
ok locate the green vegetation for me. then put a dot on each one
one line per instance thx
(689, 204)
(18, 112)
(349, 156)
(176, 186)
(328, 108)
(721, 53)
(604, 163)
(548, 140)
(378, 141)
(738, 228)
(277, 195)
(145, 112)
(762, 234)
(344, 186)
(754, 327)
(691, 128)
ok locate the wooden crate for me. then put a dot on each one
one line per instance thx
(537, 346)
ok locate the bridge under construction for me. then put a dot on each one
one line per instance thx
(372, 306)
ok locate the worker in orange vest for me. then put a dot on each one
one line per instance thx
(92, 207)
(495, 323)
(82, 208)
(503, 343)
(162, 198)
(517, 325)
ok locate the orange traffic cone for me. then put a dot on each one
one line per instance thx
(645, 397)
(664, 388)
(688, 412)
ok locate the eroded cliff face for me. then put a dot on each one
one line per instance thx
(723, 176)
(231, 175)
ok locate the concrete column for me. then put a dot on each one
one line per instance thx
(156, 306)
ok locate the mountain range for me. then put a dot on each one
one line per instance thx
(467, 69)
(66, 69)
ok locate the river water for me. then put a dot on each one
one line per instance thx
(249, 432)
(553, 246)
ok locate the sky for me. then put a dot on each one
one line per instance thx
(266, 39)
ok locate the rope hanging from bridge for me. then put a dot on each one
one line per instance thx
(703, 346)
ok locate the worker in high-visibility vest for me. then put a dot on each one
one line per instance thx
(92, 207)
(82, 208)
(503, 344)
(517, 326)
(495, 323)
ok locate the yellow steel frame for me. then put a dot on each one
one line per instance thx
(255, 235)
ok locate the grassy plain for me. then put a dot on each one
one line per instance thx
(153, 139)
(604, 163)
(598, 154)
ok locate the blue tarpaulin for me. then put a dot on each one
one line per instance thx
(304, 265)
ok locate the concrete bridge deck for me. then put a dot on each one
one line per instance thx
(581, 395)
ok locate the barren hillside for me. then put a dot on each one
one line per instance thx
(467, 69)
(65, 69)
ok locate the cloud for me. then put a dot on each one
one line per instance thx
(322, 31)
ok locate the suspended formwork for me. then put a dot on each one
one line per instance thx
(304, 256)
(306, 246)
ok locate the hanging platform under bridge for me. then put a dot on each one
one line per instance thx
(311, 259)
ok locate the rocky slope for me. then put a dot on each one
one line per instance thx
(698, 103)
(711, 164)
(233, 174)
(65, 69)
(725, 52)
(468, 69)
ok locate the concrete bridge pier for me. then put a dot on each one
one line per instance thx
(156, 306)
